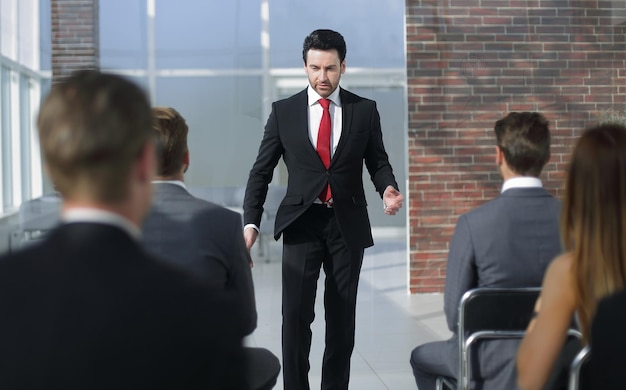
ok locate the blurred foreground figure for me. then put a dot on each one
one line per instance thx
(88, 308)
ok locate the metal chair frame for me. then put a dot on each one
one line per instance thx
(490, 313)
(579, 362)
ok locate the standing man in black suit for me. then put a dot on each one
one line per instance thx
(323, 133)
(202, 238)
(88, 308)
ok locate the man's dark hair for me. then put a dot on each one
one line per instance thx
(324, 40)
(524, 139)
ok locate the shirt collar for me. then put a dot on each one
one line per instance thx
(521, 182)
(175, 182)
(314, 96)
(90, 215)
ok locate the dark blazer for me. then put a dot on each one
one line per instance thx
(507, 242)
(88, 308)
(203, 238)
(608, 345)
(287, 136)
(207, 240)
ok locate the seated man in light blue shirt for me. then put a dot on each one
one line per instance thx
(507, 242)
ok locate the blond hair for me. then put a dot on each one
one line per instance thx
(91, 127)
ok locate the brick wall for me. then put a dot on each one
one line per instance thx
(74, 36)
(470, 62)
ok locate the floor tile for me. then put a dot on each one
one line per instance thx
(390, 321)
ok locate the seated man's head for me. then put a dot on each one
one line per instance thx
(523, 144)
(171, 131)
(96, 137)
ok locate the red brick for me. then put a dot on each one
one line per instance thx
(565, 59)
(74, 36)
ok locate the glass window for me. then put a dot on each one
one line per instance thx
(123, 34)
(8, 28)
(5, 138)
(225, 125)
(205, 59)
(222, 35)
(374, 33)
(28, 33)
(20, 95)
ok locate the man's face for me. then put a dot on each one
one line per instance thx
(324, 70)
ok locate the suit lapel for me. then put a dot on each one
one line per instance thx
(346, 124)
(301, 124)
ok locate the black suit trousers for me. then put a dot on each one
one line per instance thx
(311, 242)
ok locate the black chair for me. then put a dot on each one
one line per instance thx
(490, 313)
(36, 218)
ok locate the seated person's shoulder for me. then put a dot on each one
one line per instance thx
(173, 285)
(561, 264)
(215, 211)
(558, 281)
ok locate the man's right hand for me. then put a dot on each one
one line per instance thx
(249, 236)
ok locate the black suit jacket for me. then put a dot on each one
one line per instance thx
(287, 136)
(608, 345)
(89, 309)
(203, 238)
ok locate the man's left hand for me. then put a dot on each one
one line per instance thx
(392, 200)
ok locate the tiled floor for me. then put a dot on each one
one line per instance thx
(390, 322)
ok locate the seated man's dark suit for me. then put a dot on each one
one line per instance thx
(207, 240)
(88, 308)
(507, 242)
(608, 345)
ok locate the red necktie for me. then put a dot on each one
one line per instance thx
(323, 144)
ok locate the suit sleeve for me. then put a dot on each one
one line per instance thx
(270, 151)
(376, 158)
(225, 260)
(240, 279)
(460, 272)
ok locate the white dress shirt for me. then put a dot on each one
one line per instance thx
(521, 182)
(315, 117)
(176, 182)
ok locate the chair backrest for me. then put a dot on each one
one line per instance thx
(36, 218)
(491, 313)
(496, 309)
